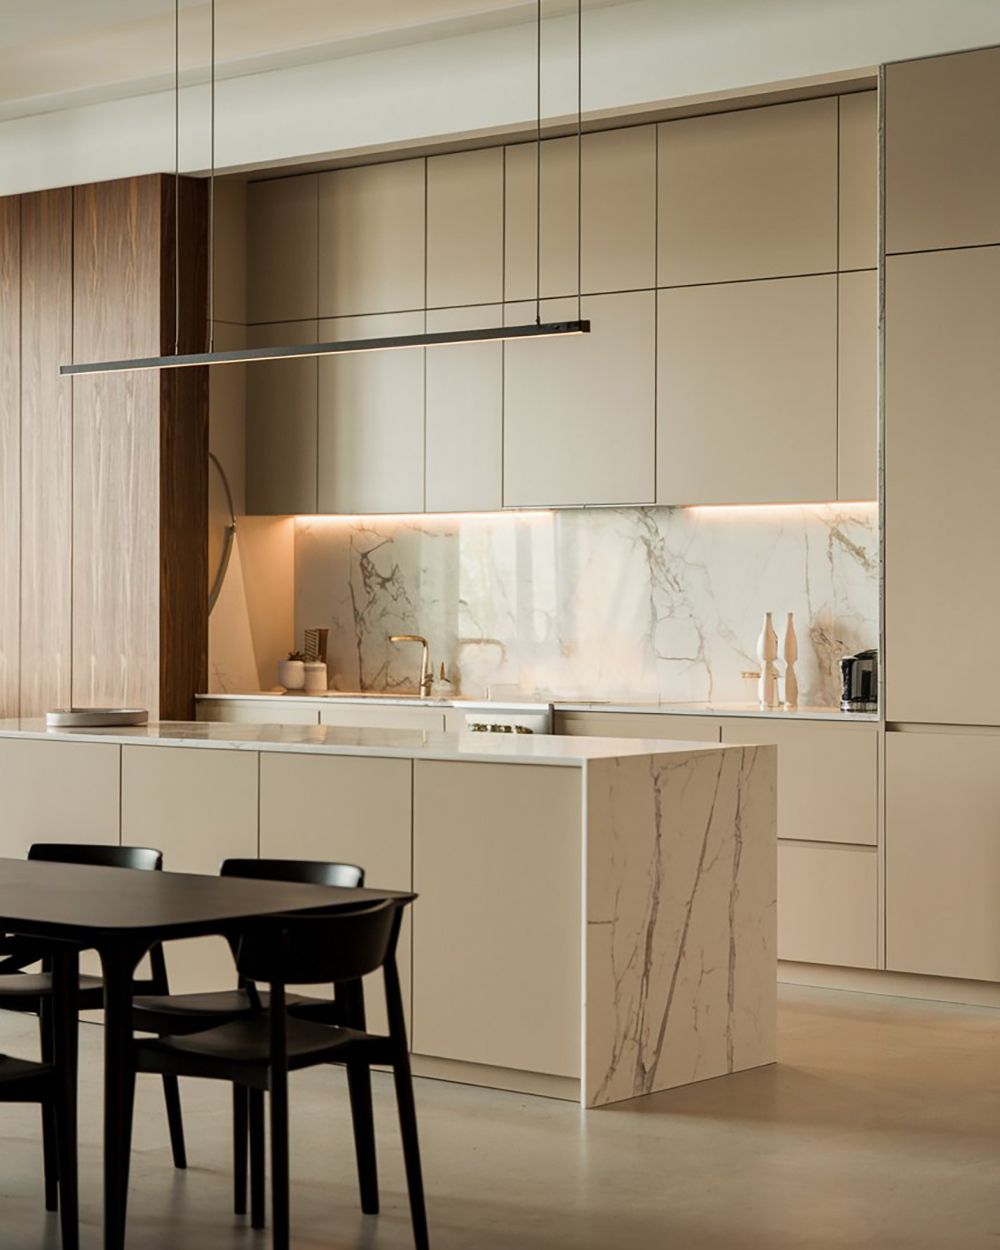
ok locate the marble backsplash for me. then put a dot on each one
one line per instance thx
(631, 603)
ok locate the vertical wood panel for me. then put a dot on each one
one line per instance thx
(46, 462)
(10, 452)
(116, 557)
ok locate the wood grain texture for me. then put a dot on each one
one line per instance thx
(116, 558)
(46, 450)
(10, 451)
(183, 458)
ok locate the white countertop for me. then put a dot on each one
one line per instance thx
(337, 740)
(625, 704)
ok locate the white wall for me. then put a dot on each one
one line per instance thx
(636, 55)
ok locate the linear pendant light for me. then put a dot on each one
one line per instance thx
(495, 334)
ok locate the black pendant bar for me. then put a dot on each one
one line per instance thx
(443, 338)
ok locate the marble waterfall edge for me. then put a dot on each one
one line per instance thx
(681, 886)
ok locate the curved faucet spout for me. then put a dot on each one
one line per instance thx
(426, 677)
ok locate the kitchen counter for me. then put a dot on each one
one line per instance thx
(639, 941)
(558, 703)
(410, 744)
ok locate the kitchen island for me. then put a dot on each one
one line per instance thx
(596, 916)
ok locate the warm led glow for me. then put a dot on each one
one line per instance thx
(750, 510)
(509, 514)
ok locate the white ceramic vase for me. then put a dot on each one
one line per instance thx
(316, 678)
(291, 674)
(767, 653)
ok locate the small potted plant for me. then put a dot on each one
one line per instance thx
(292, 672)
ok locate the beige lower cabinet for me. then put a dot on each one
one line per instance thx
(827, 776)
(57, 792)
(942, 854)
(675, 728)
(383, 716)
(347, 809)
(496, 941)
(257, 712)
(827, 903)
(198, 805)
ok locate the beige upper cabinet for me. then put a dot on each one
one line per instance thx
(942, 858)
(747, 393)
(282, 254)
(942, 448)
(464, 395)
(749, 194)
(371, 420)
(618, 213)
(942, 139)
(859, 180)
(579, 424)
(465, 228)
(857, 390)
(281, 424)
(371, 239)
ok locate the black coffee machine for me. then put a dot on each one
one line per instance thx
(859, 682)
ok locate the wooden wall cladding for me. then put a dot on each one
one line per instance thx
(46, 442)
(103, 479)
(10, 452)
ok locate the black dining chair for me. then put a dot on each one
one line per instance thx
(31, 992)
(179, 1015)
(259, 1050)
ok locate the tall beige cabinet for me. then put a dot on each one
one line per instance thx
(942, 553)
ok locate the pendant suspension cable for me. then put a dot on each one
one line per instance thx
(579, 160)
(538, 164)
(177, 176)
(211, 194)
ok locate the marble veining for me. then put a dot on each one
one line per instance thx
(638, 603)
(681, 897)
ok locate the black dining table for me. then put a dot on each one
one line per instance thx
(122, 913)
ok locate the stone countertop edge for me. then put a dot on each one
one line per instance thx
(418, 744)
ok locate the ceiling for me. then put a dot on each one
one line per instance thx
(57, 53)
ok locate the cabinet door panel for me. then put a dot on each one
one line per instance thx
(579, 412)
(749, 194)
(828, 904)
(497, 863)
(942, 854)
(354, 811)
(619, 214)
(57, 792)
(371, 239)
(658, 725)
(465, 228)
(371, 420)
(827, 777)
(392, 716)
(199, 807)
(281, 424)
(857, 386)
(282, 219)
(942, 508)
(942, 134)
(257, 712)
(747, 393)
(464, 448)
(859, 180)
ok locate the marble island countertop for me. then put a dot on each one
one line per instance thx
(337, 740)
(514, 700)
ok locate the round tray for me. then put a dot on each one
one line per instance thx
(95, 717)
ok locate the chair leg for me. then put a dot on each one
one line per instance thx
(49, 1141)
(359, 1084)
(257, 1216)
(65, 1041)
(69, 1218)
(280, 1224)
(175, 1121)
(241, 1141)
(411, 1149)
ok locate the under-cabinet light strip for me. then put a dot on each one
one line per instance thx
(246, 355)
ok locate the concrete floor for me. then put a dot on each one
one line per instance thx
(880, 1127)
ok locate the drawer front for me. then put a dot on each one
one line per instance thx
(828, 905)
(360, 716)
(257, 712)
(656, 725)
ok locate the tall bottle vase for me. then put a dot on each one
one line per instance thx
(767, 654)
(790, 653)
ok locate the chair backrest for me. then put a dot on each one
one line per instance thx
(101, 856)
(299, 871)
(306, 950)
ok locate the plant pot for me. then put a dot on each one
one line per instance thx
(291, 674)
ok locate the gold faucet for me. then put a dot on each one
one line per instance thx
(426, 676)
